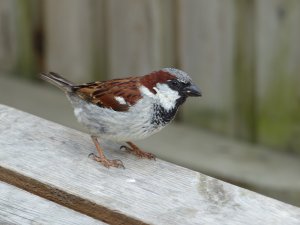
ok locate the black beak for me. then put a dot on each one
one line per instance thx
(192, 90)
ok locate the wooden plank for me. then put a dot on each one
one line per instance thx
(244, 72)
(8, 36)
(51, 160)
(99, 40)
(69, 30)
(206, 38)
(21, 207)
(17, 50)
(133, 37)
(257, 168)
(167, 23)
(278, 80)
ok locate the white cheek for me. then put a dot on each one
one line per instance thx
(164, 96)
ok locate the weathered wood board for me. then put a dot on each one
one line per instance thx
(258, 168)
(206, 39)
(8, 36)
(50, 160)
(69, 38)
(243, 95)
(20, 207)
(278, 73)
(17, 30)
(134, 37)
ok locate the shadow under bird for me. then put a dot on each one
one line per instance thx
(127, 109)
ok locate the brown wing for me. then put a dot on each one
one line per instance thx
(104, 93)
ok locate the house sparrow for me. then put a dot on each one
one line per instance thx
(127, 109)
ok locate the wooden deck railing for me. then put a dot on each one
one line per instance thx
(50, 161)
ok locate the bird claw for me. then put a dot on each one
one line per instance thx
(108, 163)
(91, 154)
(139, 153)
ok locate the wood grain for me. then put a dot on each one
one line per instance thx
(51, 160)
(20, 207)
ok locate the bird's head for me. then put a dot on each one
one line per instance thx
(169, 87)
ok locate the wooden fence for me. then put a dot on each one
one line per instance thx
(245, 54)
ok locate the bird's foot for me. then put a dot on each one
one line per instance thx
(133, 149)
(106, 162)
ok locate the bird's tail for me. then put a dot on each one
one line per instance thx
(58, 81)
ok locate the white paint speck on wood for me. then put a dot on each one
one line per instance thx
(162, 193)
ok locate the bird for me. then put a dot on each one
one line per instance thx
(126, 109)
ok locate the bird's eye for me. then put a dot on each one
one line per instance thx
(175, 82)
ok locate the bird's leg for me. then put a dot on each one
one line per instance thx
(102, 159)
(137, 151)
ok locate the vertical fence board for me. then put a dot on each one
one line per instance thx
(244, 71)
(8, 35)
(206, 37)
(99, 39)
(27, 62)
(17, 52)
(278, 70)
(69, 38)
(168, 24)
(133, 37)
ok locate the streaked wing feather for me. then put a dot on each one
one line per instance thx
(104, 93)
